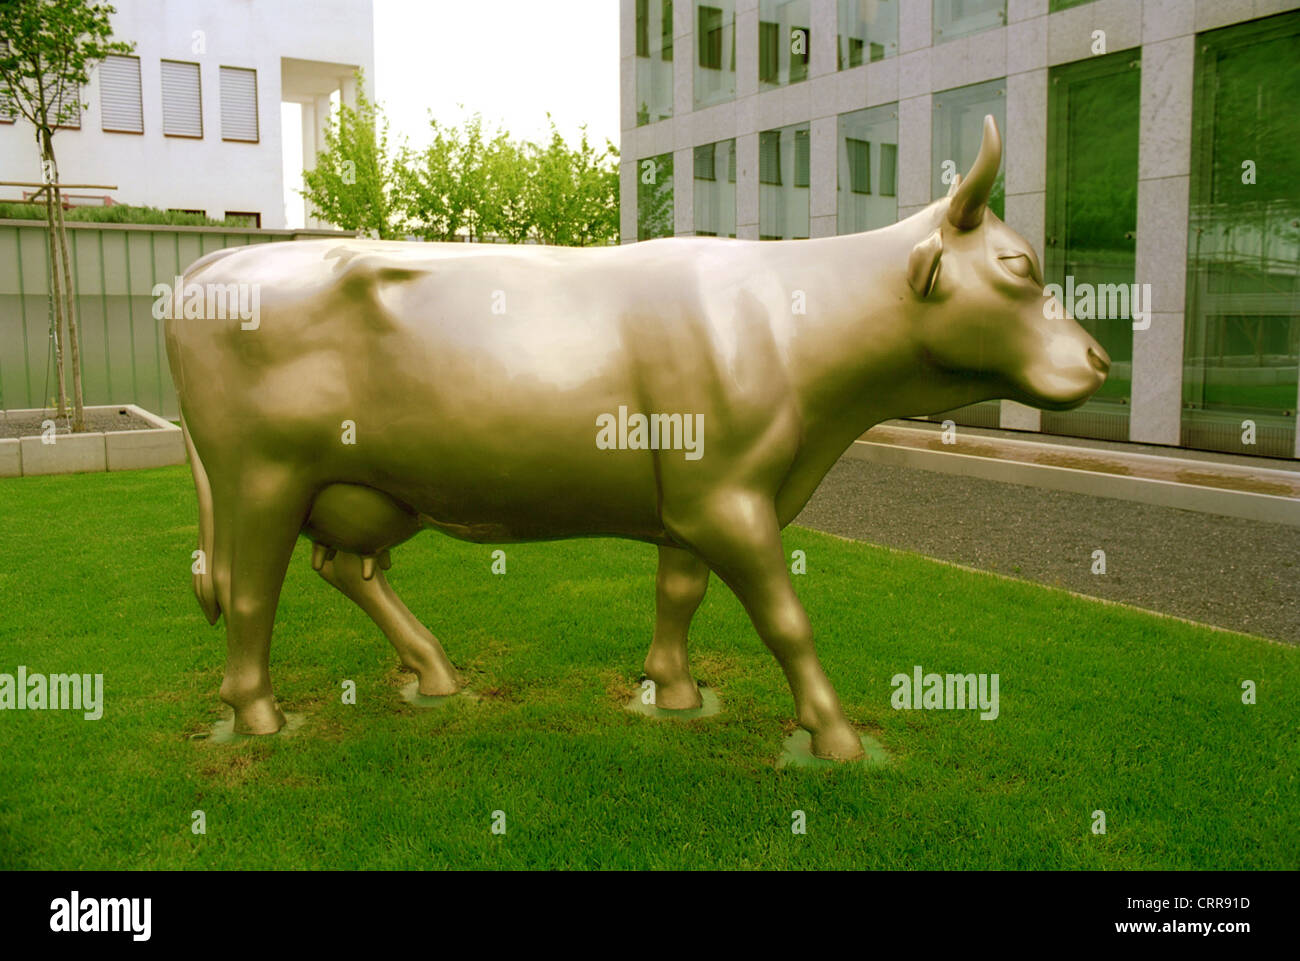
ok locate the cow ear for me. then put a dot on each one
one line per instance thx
(923, 264)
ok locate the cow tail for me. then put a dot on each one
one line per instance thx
(204, 584)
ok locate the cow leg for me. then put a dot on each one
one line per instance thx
(256, 524)
(418, 649)
(679, 588)
(737, 534)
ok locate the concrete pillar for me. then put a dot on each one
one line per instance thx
(1164, 157)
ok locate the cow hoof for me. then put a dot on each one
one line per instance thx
(678, 696)
(437, 687)
(259, 717)
(839, 743)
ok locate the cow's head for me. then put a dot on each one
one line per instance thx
(980, 304)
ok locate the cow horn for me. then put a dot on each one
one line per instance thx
(966, 209)
(956, 182)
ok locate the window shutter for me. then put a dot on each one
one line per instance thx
(666, 30)
(889, 169)
(705, 156)
(859, 152)
(182, 101)
(119, 95)
(769, 52)
(709, 37)
(769, 157)
(802, 158)
(239, 104)
(69, 100)
(7, 111)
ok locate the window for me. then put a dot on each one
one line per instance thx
(1091, 218)
(961, 18)
(868, 31)
(1241, 349)
(1055, 6)
(866, 202)
(119, 95)
(889, 170)
(239, 104)
(715, 189)
(783, 201)
(859, 156)
(715, 61)
(654, 197)
(243, 218)
(784, 41)
(802, 157)
(66, 109)
(654, 61)
(769, 52)
(769, 157)
(705, 157)
(7, 111)
(958, 131)
(182, 101)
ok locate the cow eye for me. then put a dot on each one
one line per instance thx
(1018, 264)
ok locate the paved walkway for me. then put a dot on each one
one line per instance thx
(1230, 572)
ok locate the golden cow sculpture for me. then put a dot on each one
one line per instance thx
(503, 394)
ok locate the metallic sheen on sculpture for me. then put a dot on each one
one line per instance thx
(481, 382)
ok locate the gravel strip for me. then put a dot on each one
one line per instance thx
(29, 425)
(1226, 571)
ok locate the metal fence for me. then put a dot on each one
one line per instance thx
(115, 266)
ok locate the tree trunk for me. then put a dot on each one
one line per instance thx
(56, 303)
(74, 338)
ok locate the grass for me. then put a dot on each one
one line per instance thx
(1102, 708)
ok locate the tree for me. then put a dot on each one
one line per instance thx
(573, 193)
(449, 187)
(47, 52)
(354, 182)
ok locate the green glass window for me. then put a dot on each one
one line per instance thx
(715, 44)
(889, 171)
(715, 189)
(1242, 339)
(1091, 222)
(961, 18)
(868, 31)
(784, 172)
(859, 157)
(868, 169)
(654, 197)
(784, 41)
(958, 130)
(654, 61)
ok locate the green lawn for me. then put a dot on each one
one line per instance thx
(1102, 707)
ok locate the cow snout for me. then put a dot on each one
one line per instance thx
(1099, 359)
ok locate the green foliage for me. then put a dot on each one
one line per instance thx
(354, 182)
(52, 46)
(470, 182)
(573, 192)
(116, 214)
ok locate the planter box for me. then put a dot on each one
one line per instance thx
(158, 446)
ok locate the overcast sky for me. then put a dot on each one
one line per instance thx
(510, 60)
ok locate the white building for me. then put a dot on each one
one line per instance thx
(192, 119)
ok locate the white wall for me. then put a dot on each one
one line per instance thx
(206, 174)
